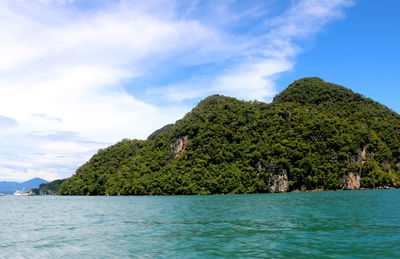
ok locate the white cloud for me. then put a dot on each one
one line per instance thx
(73, 70)
(306, 17)
(303, 19)
(63, 69)
(252, 81)
(267, 55)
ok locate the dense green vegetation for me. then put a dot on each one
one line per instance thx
(50, 188)
(314, 133)
(153, 135)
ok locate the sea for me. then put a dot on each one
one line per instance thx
(341, 224)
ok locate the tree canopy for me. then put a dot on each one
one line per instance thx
(315, 133)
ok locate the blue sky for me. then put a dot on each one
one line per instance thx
(360, 52)
(79, 75)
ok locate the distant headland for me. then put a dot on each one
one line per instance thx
(11, 187)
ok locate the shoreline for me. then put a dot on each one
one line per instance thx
(338, 190)
(294, 191)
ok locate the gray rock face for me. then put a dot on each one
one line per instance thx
(258, 166)
(278, 180)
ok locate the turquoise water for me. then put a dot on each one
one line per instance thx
(307, 225)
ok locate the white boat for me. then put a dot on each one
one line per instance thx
(23, 193)
(2, 194)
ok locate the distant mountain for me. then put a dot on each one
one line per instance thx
(10, 187)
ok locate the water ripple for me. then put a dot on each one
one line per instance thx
(303, 225)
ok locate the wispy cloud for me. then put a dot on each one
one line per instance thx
(46, 117)
(76, 76)
(6, 123)
(270, 50)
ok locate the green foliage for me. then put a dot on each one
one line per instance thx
(316, 131)
(50, 188)
(153, 135)
(35, 191)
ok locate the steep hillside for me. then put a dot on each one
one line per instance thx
(313, 135)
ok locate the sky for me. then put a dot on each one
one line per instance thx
(80, 75)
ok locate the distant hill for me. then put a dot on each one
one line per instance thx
(10, 187)
(51, 188)
(314, 135)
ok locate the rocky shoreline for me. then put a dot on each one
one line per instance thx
(337, 190)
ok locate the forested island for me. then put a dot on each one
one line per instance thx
(314, 135)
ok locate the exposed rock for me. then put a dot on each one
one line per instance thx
(364, 155)
(258, 168)
(364, 126)
(180, 145)
(386, 162)
(278, 179)
(362, 158)
(351, 182)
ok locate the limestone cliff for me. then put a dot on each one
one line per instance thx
(179, 145)
(278, 179)
(351, 181)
